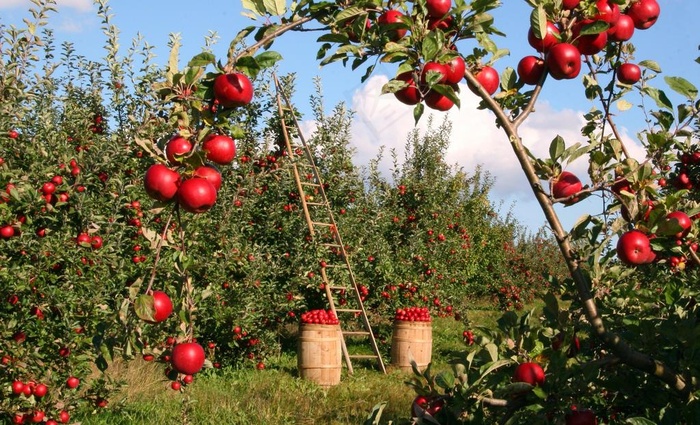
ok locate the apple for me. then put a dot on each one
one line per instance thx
(38, 416)
(682, 220)
(72, 382)
(443, 24)
(644, 13)
(589, 44)
(545, 44)
(455, 70)
(7, 231)
(581, 417)
(438, 8)
(608, 12)
(161, 183)
(530, 69)
(437, 101)
(530, 373)
(176, 147)
(564, 61)
(83, 239)
(96, 242)
(48, 188)
(629, 73)
(162, 306)
(17, 387)
(176, 385)
(219, 148)
(210, 173)
(390, 17)
(570, 4)
(40, 390)
(623, 30)
(232, 90)
(187, 358)
(409, 95)
(566, 185)
(488, 78)
(634, 248)
(196, 195)
(434, 67)
(64, 417)
(428, 404)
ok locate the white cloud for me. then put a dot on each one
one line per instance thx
(80, 5)
(380, 120)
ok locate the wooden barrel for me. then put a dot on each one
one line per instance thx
(411, 340)
(319, 356)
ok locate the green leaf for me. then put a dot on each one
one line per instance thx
(556, 148)
(275, 7)
(268, 59)
(538, 21)
(682, 86)
(445, 380)
(595, 28)
(431, 47)
(623, 105)
(349, 13)
(659, 97)
(202, 59)
(257, 7)
(418, 112)
(639, 421)
(651, 65)
(145, 308)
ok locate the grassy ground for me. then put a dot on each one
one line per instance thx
(275, 395)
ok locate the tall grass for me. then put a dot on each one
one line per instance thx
(274, 395)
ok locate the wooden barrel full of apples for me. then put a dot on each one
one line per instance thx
(319, 356)
(411, 340)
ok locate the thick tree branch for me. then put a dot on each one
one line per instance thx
(617, 345)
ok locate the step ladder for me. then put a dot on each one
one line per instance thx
(324, 230)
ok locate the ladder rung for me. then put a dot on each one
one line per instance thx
(332, 288)
(332, 245)
(318, 223)
(310, 184)
(356, 333)
(317, 204)
(347, 310)
(363, 356)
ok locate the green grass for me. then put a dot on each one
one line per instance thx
(275, 395)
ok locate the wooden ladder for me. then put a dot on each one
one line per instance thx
(314, 207)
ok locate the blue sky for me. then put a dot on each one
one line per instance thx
(673, 42)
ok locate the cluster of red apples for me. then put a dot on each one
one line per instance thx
(412, 314)
(191, 179)
(564, 43)
(319, 317)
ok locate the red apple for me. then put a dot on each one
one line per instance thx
(589, 44)
(434, 67)
(162, 306)
(564, 61)
(644, 13)
(187, 358)
(581, 417)
(545, 44)
(161, 182)
(72, 382)
(488, 78)
(530, 69)
(210, 173)
(680, 219)
(437, 101)
(570, 4)
(455, 70)
(623, 30)
(608, 12)
(438, 8)
(177, 147)
(7, 231)
(196, 195)
(390, 18)
(634, 248)
(629, 73)
(566, 185)
(409, 95)
(219, 148)
(530, 373)
(232, 90)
